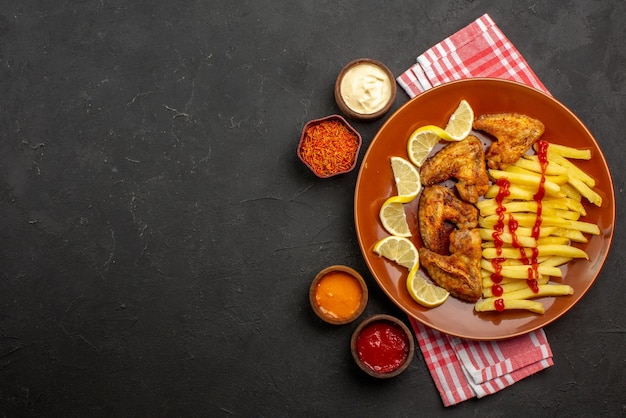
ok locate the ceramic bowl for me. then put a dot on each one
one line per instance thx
(389, 87)
(353, 156)
(399, 328)
(359, 303)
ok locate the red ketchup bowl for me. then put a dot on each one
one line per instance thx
(382, 346)
(329, 146)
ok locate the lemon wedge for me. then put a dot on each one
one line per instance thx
(460, 123)
(398, 249)
(421, 143)
(407, 178)
(393, 218)
(423, 291)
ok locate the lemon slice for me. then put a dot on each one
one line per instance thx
(393, 218)
(398, 249)
(407, 177)
(421, 143)
(424, 292)
(460, 123)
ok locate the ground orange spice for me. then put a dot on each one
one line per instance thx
(329, 147)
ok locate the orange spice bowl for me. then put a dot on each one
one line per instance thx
(382, 346)
(338, 294)
(329, 146)
(365, 89)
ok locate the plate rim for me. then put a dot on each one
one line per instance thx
(610, 191)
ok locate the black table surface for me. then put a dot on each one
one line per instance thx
(159, 234)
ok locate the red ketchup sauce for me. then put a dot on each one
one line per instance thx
(503, 193)
(496, 276)
(382, 346)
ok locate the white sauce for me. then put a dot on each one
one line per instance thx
(365, 88)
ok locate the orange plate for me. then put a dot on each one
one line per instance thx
(375, 184)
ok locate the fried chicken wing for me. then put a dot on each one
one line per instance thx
(515, 134)
(458, 273)
(464, 161)
(437, 206)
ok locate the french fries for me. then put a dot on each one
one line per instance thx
(527, 235)
(519, 299)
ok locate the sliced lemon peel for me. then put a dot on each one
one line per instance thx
(426, 294)
(399, 250)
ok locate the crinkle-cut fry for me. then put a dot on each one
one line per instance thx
(512, 286)
(521, 271)
(572, 169)
(526, 220)
(486, 305)
(586, 191)
(555, 261)
(550, 188)
(542, 250)
(531, 162)
(568, 152)
(571, 234)
(558, 179)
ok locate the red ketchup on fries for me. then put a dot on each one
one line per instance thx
(503, 193)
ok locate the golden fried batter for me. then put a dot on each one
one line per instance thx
(463, 160)
(437, 205)
(515, 134)
(458, 273)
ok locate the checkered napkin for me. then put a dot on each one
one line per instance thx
(463, 368)
(478, 50)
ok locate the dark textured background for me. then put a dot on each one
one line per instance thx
(159, 235)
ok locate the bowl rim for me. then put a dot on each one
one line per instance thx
(347, 125)
(364, 294)
(343, 105)
(382, 318)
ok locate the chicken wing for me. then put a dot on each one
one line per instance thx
(438, 205)
(458, 273)
(515, 134)
(463, 160)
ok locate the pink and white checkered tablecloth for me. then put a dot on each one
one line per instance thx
(463, 369)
